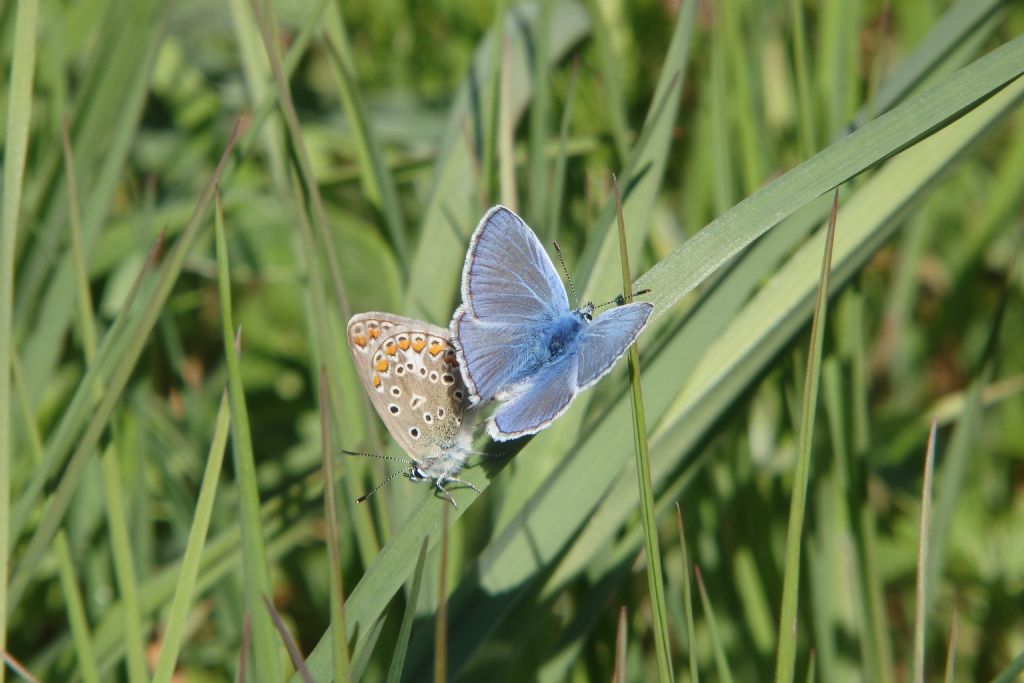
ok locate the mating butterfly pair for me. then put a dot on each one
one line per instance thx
(516, 341)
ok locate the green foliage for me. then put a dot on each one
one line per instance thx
(370, 139)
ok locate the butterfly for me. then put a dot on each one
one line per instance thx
(516, 339)
(410, 372)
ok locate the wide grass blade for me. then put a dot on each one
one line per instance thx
(712, 247)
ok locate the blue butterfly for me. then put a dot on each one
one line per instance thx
(517, 340)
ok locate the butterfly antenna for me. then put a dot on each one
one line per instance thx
(379, 486)
(620, 299)
(376, 455)
(565, 270)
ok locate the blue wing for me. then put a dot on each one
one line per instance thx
(487, 358)
(607, 338)
(535, 403)
(508, 277)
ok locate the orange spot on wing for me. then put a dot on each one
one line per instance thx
(373, 332)
(376, 381)
(418, 345)
(382, 365)
(360, 340)
(390, 348)
(403, 344)
(435, 348)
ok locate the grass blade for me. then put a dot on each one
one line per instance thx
(619, 672)
(289, 642)
(126, 349)
(339, 645)
(184, 591)
(441, 629)
(920, 614)
(786, 654)
(721, 661)
(691, 629)
(402, 643)
(950, 676)
(719, 241)
(254, 564)
(655, 581)
(16, 133)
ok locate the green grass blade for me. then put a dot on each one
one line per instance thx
(254, 564)
(339, 645)
(72, 595)
(950, 676)
(16, 134)
(619, 672)
(374, 175)
(920, 614)
(805, 126)
(289, 642)
(441, 627)
(124, 564)
(708, 250)
(268, 29)
(610, 81)
(787, 639)
(402, 643)
(184, 590)
(721, 661)
(652, 549)
(126, 349)
(453, 207)
(1012, 670)
(691, 630)
(539, 173)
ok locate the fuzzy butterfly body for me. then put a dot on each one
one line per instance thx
(518, 342)
(411, 374)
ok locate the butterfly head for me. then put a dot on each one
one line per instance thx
(586, 312)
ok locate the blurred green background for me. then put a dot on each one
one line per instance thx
(356, 188)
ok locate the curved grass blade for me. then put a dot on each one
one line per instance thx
(16, 134)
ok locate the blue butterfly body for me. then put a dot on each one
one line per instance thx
(517, 340)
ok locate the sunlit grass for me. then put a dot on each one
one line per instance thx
(370, 140)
